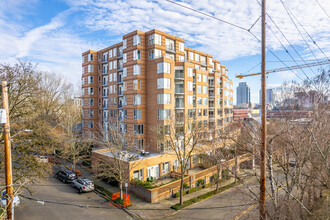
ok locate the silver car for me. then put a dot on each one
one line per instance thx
(83, 185)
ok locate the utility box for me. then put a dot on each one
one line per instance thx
(3, 118)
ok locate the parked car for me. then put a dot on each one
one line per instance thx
(83, 185)
(17, 200)
(43, 158)
(66, 176)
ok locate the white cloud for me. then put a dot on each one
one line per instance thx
(287, 75)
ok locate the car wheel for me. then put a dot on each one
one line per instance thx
(80, 190)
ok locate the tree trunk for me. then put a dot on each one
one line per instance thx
(181, 186)
(271, 175)
(121, 189)
(218, 177)
(74, 162)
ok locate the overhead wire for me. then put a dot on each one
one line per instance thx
(314, 42)
(286, 40)
(232, 24)
(322, 8)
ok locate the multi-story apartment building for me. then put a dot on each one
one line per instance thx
(139, 84)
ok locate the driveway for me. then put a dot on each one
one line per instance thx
(64, 202)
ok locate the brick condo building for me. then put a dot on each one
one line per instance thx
(147, 78)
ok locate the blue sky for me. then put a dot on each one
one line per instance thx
(54, 33)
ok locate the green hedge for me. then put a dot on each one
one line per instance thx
(103, 190)
(202, 197)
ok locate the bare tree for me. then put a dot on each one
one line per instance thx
(183, 139)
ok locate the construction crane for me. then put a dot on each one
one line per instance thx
(319, 63)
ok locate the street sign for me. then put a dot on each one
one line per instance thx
(3, 118)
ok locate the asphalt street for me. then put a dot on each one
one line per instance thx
(61, 201)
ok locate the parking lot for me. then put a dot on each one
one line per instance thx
(60, 201)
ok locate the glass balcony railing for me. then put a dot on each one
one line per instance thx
(179, 75)
(170, 48)
(179, 90)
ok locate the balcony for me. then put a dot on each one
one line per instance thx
(203, 63)
(211, 105)
(179, 103)
(105, 60)
(120, 55)
(104, 94)
(105, 118)
(120, 79)
(120, 105)
(105, 72)
(120, 68)
(211, 83)
(179, 74)
(170, 48)
(211, 94)
(179, 90)
(105, 106)
(120, 92)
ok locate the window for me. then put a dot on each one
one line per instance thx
(166, 167)
(105, 57)
(196, 66)
(164, 83)
(218, 101)
(164, 129)
(90, 79)
(191, 55)
(105, 68)
(124, 71)
(204, 101)
(110, 65)
(137, 114)
(90, 68)
(138, 174)
(124, 57)
(181, 58)
(155, 39)
(90, 102)
(154, 54)
(136, 55)
(203, 60)
(163, 67)
(139, 143)
(115, 64)
(190, 86)
(218, 91)
(137, 69)
(199, 77)
(218, 81)
(205, 78)
(83, 81)
(191, 113)
(205, 89)
(137, 99)
(190, 100)
(199, 100)
(199, 112)
(124, 44)
(199, 89)
(210, 60)
(136, 84)
(163, 114)
(218, 66)
(114, 52)
(91, 113)
(90, 124)
(204, 112)
(196, 57)
(110, 53)
(181, 46)
(163, 146)
(110, 77)
(114, 88)
(219, 111)
(138, 129)
(163, 99)
(90, 90)
(90, 57)
(136, 40)
(115, 77)
(190, 72)
(105, 92)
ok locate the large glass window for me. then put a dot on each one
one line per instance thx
(137, 99)
(163, 114)
(164, 83)
(136, 40)
(137, 114)
(138, 174)
(163, 99)
(136, 55)
(137, 69)
(138, 129)
(163, 67)
(155, 39)
(154, 54)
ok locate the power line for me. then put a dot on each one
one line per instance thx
(298, 29)
(308, 34)
(286, 40)
(322, 8)
(208, 15)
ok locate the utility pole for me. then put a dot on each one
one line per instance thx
(8, 163)
(263, 114)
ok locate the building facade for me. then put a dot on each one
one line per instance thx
(243, 96)
(137, 85)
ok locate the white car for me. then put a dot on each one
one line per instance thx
(43, 159)
(83, 185)
(17, 200)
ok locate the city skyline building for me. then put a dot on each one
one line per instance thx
(243, 94)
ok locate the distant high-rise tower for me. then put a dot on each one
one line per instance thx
(243, 94)
(269, 97)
